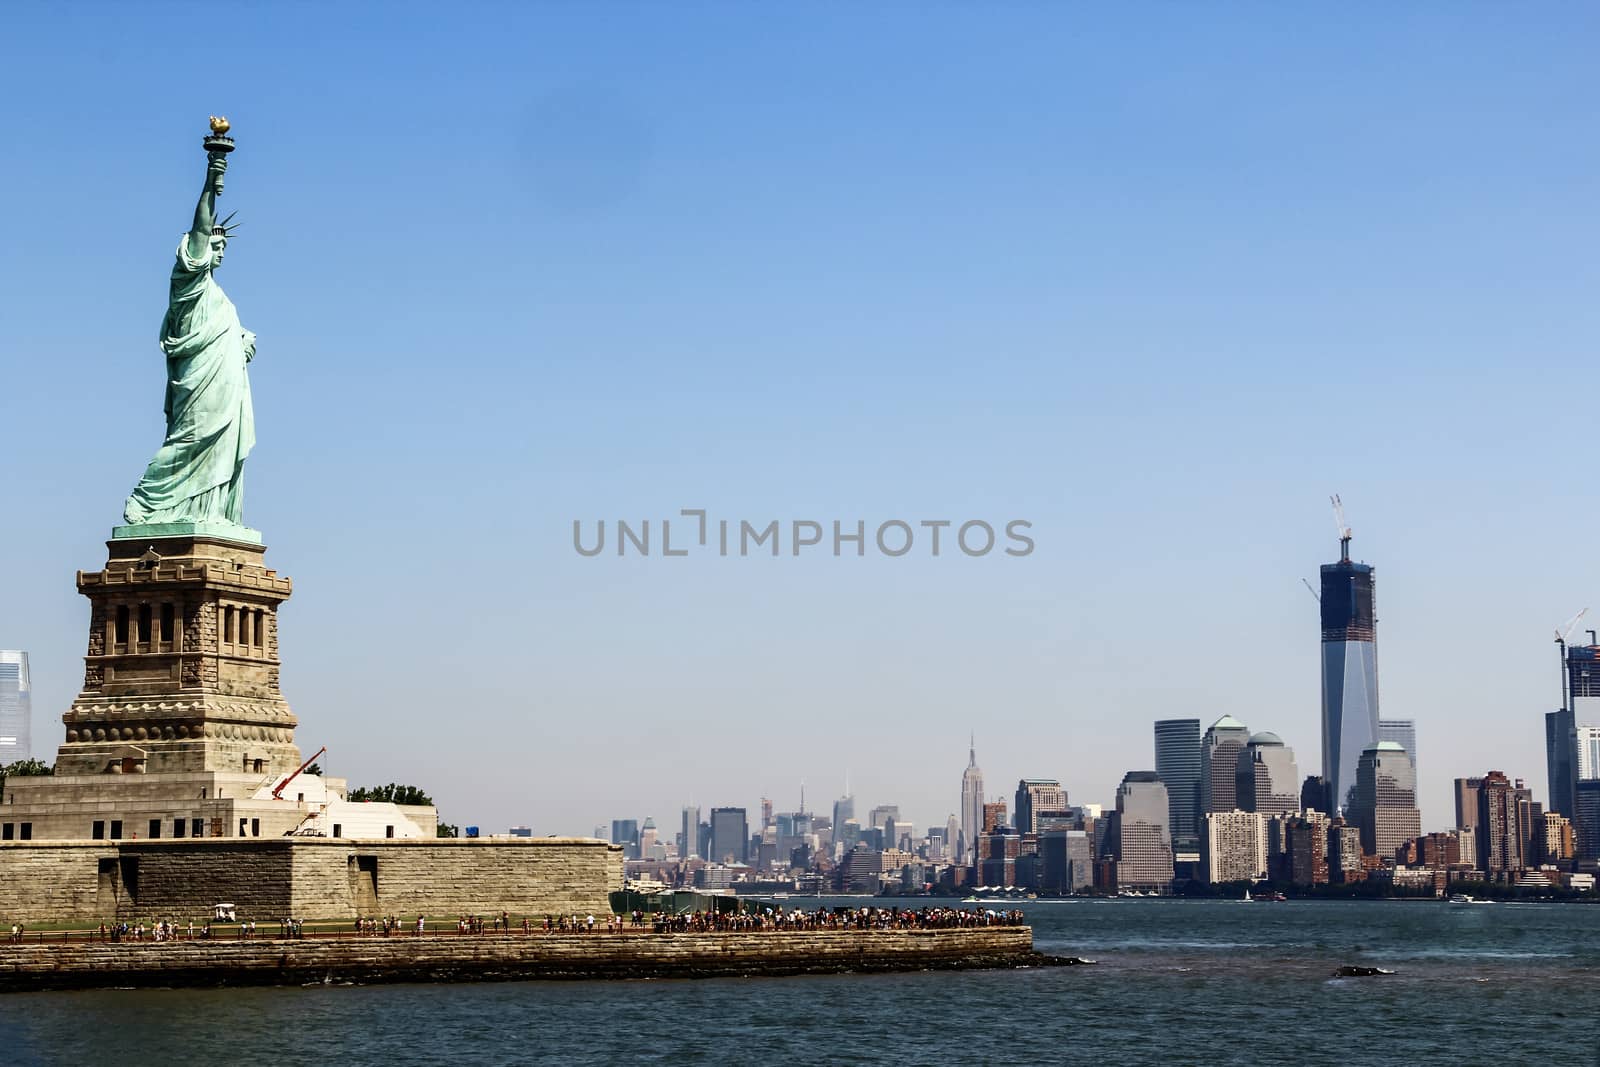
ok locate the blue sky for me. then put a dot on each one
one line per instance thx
(1157, 279)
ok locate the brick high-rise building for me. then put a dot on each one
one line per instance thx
(1308, 849)
(1499, 831)
(994, 816)
(1344, 852)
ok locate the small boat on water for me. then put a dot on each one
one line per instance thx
(1466, 898)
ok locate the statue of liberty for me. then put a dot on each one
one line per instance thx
(197, 476)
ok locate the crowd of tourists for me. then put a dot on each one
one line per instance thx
(756, 918)
(780, 919)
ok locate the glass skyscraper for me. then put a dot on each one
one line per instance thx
(1178, 766)
(1349, 671)
(16, 708)
(730, 836)
(1581, 702)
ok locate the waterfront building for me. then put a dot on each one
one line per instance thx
(1080, 861)
(1386, 799)
(1586, 820)
(1441, 848)
(1557, 844)
(1035, 795)
(1178, 766)
(971, 802)
(998, 850)
(1558, 745)
(730, 836)
(1344, 852)
(1466, 795)
(16, 707)
(1066, 860)
(1402, 732)
(1499, 844)
(1143, 842)
(1277, 827)
(1530, 816)
(1234, 847)
(1219, 764)
(1349, 669)
(1308, 848)
(1266, 776)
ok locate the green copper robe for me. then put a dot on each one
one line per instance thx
(198, 473)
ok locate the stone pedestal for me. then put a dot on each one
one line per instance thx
(181, 674)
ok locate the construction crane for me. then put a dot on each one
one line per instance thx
(1344, 528)
(1312, 589)
(277, 793)
(1562, 633)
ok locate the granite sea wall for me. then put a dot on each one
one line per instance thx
(321, 878)
(515, 956)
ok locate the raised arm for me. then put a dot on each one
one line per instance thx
(205, 212)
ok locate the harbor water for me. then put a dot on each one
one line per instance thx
(1215, 982)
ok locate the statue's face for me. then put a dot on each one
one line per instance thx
(218, 246)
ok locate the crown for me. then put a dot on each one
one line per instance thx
(224, 228)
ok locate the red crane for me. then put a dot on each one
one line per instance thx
(277, 792)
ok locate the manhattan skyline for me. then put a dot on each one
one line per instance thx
(1157, 290)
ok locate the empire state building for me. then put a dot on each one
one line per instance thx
(971, 804)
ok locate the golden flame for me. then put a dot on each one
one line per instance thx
(219, 125)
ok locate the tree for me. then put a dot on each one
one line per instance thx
(25, 768)
(392, 794)
(447, 830)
